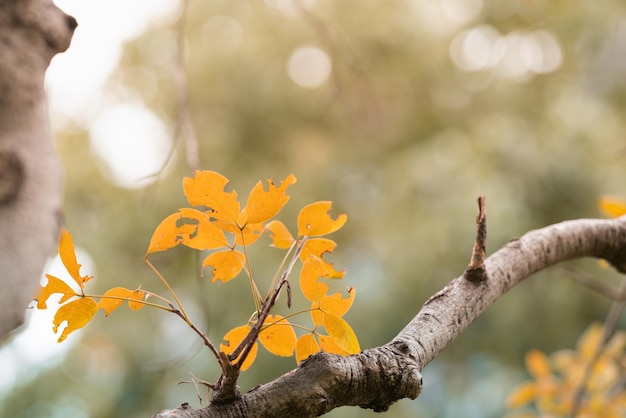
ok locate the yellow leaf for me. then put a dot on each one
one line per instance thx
(328, 345)
(233, 338)
(314, 220)
(262, 205)
(206, 188)
(54, 285)
(169, 233)
(317, 316)
(537, 364)
(249, 234)
(312, 269)
(342, 333)
(205, 235)
(77, 313)
(277, 336)
(336, 305)
(318, 247)
(68, 257)
(226, 264)
(281, 237)
(521, 395)
(306, 346)
(589, 341)
(109, 301)
(612, 207)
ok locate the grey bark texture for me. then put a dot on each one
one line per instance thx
(380, 376)
(31, 33)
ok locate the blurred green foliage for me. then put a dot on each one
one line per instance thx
(401, 136)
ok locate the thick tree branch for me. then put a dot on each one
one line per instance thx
(31, 33)
(378, 377)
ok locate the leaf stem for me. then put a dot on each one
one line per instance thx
(183, 314)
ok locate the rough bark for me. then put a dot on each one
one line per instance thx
(378, 377)
(31, 33)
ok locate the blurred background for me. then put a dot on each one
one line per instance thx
(402, 112)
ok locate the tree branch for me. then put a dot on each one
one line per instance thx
(378, 377)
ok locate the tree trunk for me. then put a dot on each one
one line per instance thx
(31, 33)
(380, 376)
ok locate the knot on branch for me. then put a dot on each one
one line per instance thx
(11, 175)
(475, 271)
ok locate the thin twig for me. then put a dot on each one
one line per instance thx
(595, 284)
(179, 78)
(475, 271)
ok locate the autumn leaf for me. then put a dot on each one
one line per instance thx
(189, 227)
(318, 247)
(305, 347)
(226, 264)
(334, 304)
(280, 235)
(68, 258)
(612, 207)
(77, 314)
(314, 220)
(233, 338)
(54, 285)
(522, 395)
(537, 364)
(277, 336)
(206, 188)
(342, 334)
(109, 301)
(263, 205)
(328, 345)
(312, 269)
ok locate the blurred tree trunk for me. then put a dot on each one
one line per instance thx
(31, 33)
(378, 377)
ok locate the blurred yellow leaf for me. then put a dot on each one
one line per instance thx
(590, 340)
(262, 205)
(537, 364)
(54, 285)
(342, 334)
(314, 220)
(521, 395)
(233, 338)
(77, 313)
(206, 188)
(312, 269)
(109, 304)
(226, 264)
(318, 247)
(277, 336)
(612, 207)
(280, 235)
(68, 257)
(306, 346)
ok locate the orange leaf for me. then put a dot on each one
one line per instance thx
(312, 269)
(318, 247)
(328, 345)
(281, 237)
(226, 264)
(206, 235)
(336, 305)
(306, 346)
(277, 336)
(110, 304)
(262, 205)
(317, 316)
(233, 338)
(68, 257)
(521, 395)
(537, 364)
(54, 285)
(251, 233)
(589, 341)
(612, 207)
(314, 220)
(169, 233)
(77, 313)
(206, 188)
(342, 333)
